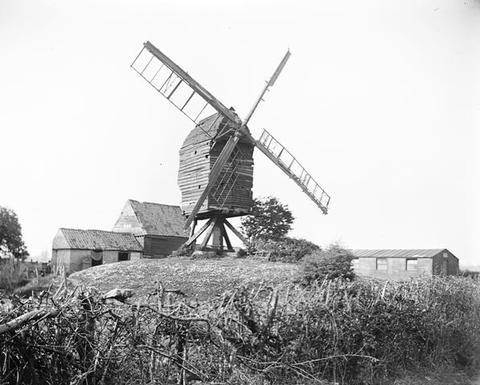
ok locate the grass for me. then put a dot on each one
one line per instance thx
(442, 377)
(199, 279)
(36, 285)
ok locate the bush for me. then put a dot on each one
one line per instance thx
(329, 264)
(286, 249)
(346, 332)
(241, 253)
(12, 274)
(360, 332)
(292, 250)
(469, 274)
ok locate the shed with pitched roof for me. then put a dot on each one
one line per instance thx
(157, 227)
(75, 249)
(404, 263)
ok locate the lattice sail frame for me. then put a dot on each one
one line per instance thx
(178, 87)
(279, 155)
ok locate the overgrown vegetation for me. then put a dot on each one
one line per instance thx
(285, 249)
(335, 262)
(348, 332)
(12, 274)
(266, 230)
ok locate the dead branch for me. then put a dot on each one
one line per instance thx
(179, 361)
(27, 317)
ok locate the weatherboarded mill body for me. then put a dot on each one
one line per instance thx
(399, 264)
(231, 195)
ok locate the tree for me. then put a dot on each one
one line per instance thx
(11, 241)
(269, 220)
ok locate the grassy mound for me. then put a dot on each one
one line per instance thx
(200, 279)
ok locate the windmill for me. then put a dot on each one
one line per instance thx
(216, 159)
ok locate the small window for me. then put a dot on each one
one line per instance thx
(199, 186)
(411, 264)
(206, 156)
(382, 264)
(123, 256)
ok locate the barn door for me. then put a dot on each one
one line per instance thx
(97, 257)
(444, 267)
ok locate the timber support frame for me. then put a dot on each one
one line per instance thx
(215, 229)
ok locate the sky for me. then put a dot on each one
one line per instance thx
(380, 101)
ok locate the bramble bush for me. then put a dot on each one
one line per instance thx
(12, 274)
(335, 262)
(348, 332)
(359, 332)
(285, 249)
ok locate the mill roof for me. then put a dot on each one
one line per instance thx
(159, 219)
(396, 253)
(209, 128)
(97, 240)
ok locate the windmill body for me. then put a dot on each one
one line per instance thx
(231, 194)
(216, 159)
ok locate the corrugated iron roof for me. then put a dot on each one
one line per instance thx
(159, 219)
(100, 240)
(396, 253)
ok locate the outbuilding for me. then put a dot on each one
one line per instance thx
(157, 227)
(76, 249)
(404, 263)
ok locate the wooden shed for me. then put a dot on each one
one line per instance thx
(76, 249)
(157, 227)
(403, 264)
(232, 193)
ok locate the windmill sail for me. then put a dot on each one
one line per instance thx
(228, 170)
(177, 86)
(279, 155)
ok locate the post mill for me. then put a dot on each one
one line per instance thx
(216, 159)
